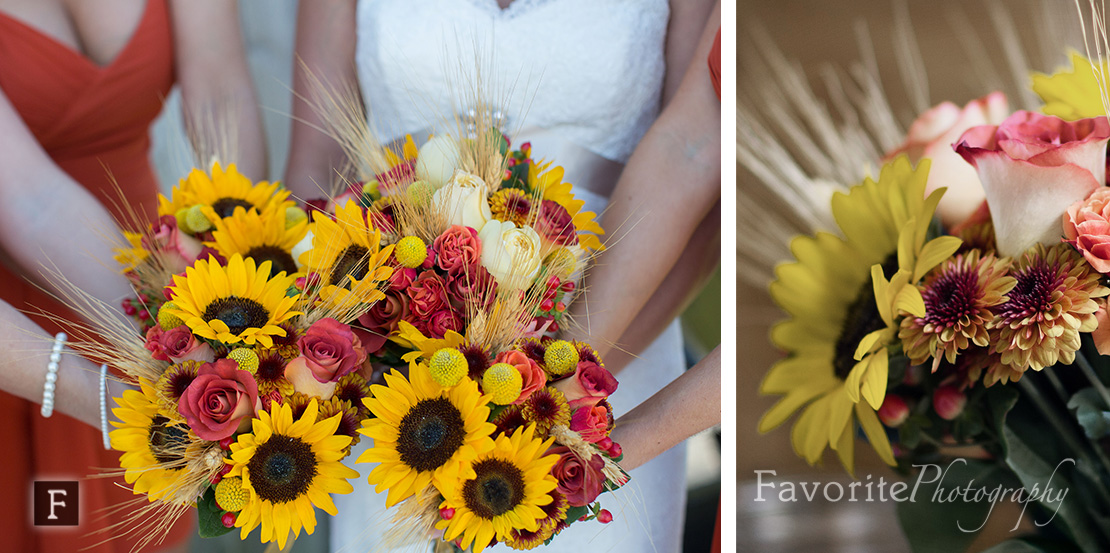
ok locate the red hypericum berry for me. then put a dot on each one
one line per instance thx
(553, 281)
(894, 411)
(546, 305)
(215, 479)
(560, 307)
(228, 519)
(226, 442)
(554, 327)
(568, 286)
(224, 470)
(949, 402)
(144, 315)
(583, 518)
(129, 308)
(446, 513)
(143, 298)
(525, 146)
(605, 443)
(615, 451)
(604, 516)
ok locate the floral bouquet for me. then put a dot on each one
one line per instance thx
(956, 309)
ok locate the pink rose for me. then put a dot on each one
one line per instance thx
(179, 345)
(472, 286)
(154, 343)
(458, 248)
(401, 278)
(442, 321)
(331, 350)
(592, 419)
(589, 380)
(1087, 227)
(530, 371)
(1033, 167)
(428, 294)
(179, 249)
(580, 481)
(381, 320)
(932, 135)
(555, 224)
(219, 401)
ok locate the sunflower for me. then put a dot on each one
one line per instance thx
(506, 492)
(1074, 94)
(170, 386)
(223, 192)
(346, 253)
(288, 467)
(259, 236)
(154, 449)
(237, 303)
(511, 204)
(423, 432)
(134, 254)
(1051, 304)
(831, 297)
(551, 185)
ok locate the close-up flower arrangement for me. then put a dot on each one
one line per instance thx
(416, 308)
(954, 306)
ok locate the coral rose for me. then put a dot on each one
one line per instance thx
(1087, 227)
(219, 401)
(580, 481)
(589, 380)
(458, 249)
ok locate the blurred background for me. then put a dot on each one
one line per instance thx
(832, 35)
(268, 29)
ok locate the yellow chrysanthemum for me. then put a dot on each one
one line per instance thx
(423, 433)
(223, 192)
(259, 236)
(1074, 94)
(133, 256)
(289, 467)
(346, 253)
(233, 304)
(507, 491)
(831, 298)
(154, 449)
(511, 204)
(550, 183)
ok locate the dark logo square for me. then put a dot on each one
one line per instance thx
(56, 503)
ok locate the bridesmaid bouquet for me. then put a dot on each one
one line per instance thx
(971, 335)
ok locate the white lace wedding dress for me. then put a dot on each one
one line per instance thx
(588, 71)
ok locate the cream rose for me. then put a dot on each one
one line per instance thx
(511, 254)
(437, 160)
(465, 200)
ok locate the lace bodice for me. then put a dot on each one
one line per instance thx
(589, 70)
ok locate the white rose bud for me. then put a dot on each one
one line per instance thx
(302, 248)
(465, 201)
(437, 160)
(511, 254)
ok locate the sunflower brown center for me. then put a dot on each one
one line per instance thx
(225, 207)
(430, 434)
(861, 319)
(237, 313)
(353, 261)
(498, 488)
(280, 260)
(167, 443)
(282, 469)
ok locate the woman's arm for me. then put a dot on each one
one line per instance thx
(688, 18)
(326, 48)
(669, 187)
(220, 104)
(689, 404)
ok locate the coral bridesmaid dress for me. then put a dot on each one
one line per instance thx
(93, 121)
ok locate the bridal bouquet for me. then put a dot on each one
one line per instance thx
(249, 393)
(957, 313)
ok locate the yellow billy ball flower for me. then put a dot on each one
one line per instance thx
(410, 252)
(370, 188)
(294, 216)
(420, 193)
(168, 320)
(230, 495)
(196, 221)
(561, 357)
(448, 366)
(246, 358)
(561, 263)
(182, 216)
(503, 382)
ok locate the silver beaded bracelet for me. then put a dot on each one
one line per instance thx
(104, 406)
(52, 374)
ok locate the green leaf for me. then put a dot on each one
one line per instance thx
(1091, 412)
(209, 516)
